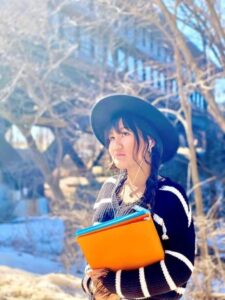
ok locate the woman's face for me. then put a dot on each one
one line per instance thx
(123, 148)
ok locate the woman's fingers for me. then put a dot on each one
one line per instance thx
(97, 273)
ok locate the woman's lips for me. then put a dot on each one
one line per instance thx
(119, 155)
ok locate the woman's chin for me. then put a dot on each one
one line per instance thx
(120, 165)
(120, 168)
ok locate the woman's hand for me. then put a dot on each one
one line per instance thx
(99, 290)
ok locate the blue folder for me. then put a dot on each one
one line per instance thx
(140, 211)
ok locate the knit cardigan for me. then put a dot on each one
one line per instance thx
(172, 216)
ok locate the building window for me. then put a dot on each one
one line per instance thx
(55, 23)
(121, 60)
(151, 41)
(131, 65)
(168, 57)
(198, 100)
(110, 59)
(69, 32)
(84, 41)
(101, 52)
(174, 86)
(162, 53)
(140, 70)
(165, 84)
(148, 73)
(130, 33)
(155, 48)
(155, 78)
(92, 47)
(162, 82)
(143, 35)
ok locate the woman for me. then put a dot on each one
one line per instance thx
(139, 138)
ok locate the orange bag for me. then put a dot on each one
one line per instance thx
(124, 243)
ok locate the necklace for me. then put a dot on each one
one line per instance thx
(135, 191)
(131, 195)
(138, 191)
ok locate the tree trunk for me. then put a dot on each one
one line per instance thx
(186, 107)
(44, 168)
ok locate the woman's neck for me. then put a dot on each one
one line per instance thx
(137, 177)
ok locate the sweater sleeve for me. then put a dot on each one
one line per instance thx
(174, 271)
(103, 211)
(103, 208)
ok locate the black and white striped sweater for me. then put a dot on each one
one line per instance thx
(166, 279)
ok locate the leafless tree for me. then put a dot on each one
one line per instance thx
(44, 46)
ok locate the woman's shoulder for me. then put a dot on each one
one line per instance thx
(172, 199)
(167, 184)
(110, 182)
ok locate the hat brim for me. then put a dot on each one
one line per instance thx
(108, 106)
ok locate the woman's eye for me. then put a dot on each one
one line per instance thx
(111, 138)
(125, 133)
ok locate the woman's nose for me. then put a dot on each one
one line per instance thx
(117, 143)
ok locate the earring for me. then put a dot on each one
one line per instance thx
(151, 145)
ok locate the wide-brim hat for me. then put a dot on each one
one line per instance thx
(108, 106)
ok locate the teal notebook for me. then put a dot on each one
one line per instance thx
(140, 211)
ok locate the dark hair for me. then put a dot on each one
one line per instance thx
(140, 127)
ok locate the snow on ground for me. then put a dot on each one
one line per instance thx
(39, 265)
(43, 279)
(39, 235)
(21, 285)
(29, 262)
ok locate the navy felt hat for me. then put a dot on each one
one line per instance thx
(108, 106)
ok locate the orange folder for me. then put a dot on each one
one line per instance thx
(124, 243)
